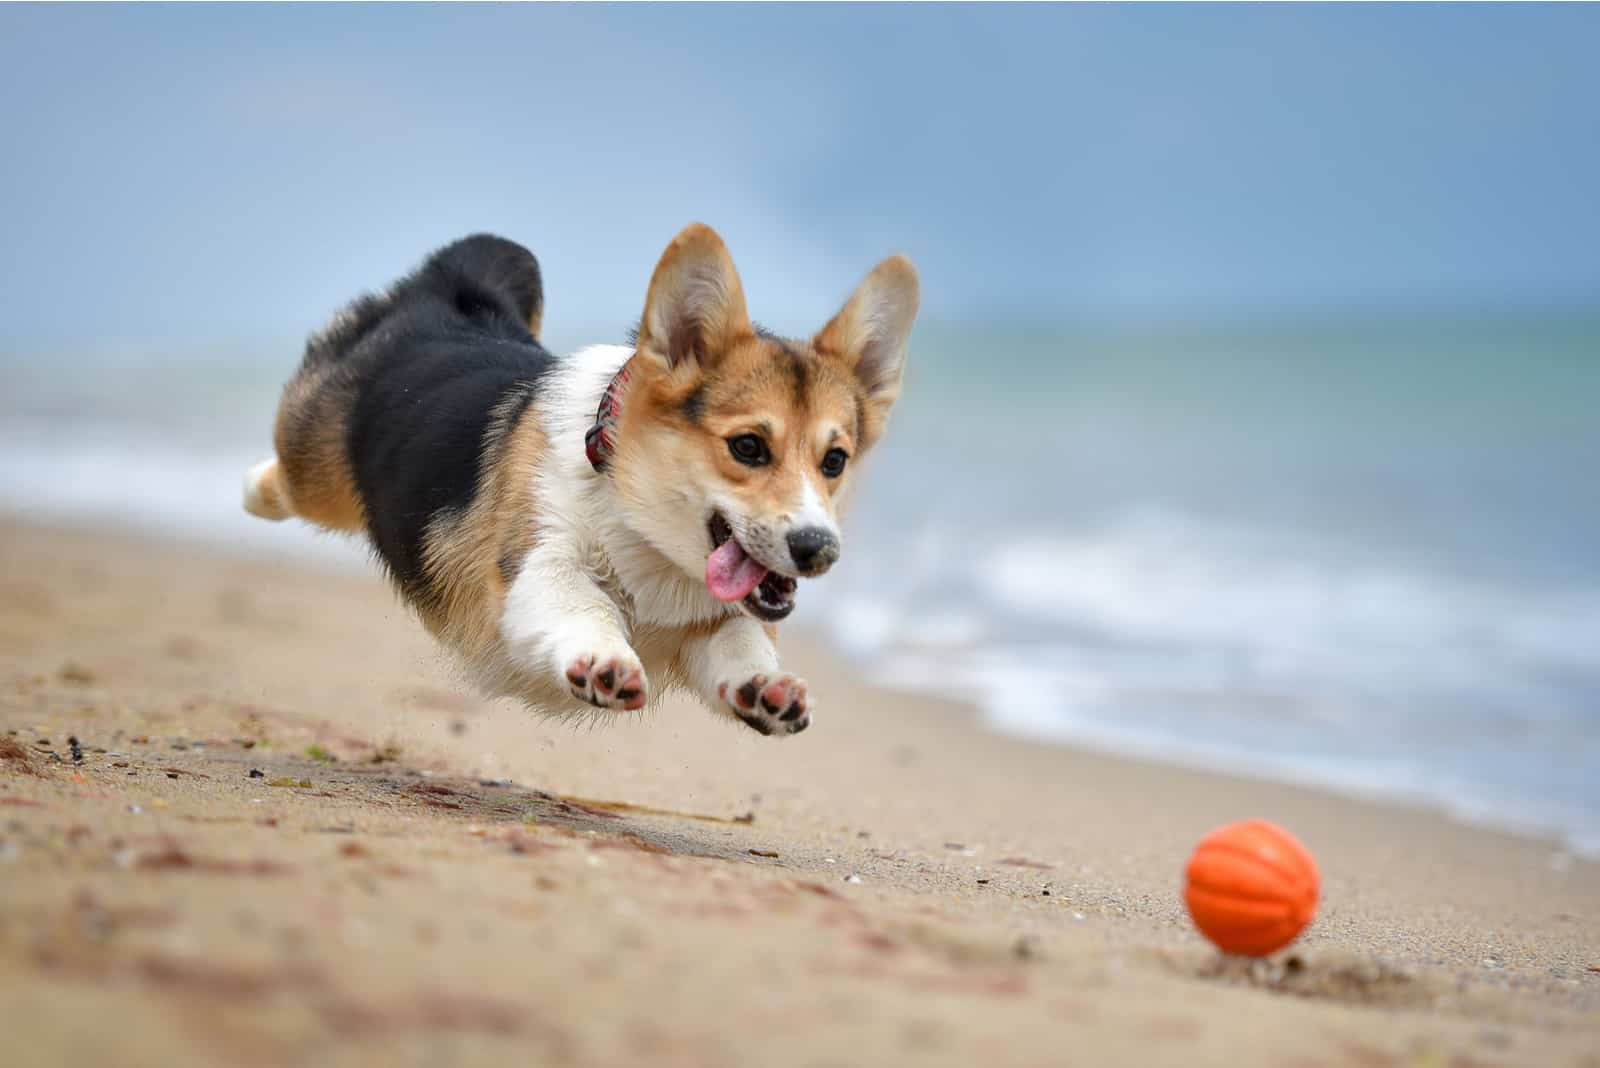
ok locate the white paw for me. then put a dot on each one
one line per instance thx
(607, 679)
(771, 704)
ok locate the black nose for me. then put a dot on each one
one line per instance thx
(814, 549)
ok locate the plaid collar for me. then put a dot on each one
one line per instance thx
(598, 443)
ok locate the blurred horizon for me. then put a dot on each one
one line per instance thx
(202, 177)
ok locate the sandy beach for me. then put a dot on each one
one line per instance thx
(247, 816)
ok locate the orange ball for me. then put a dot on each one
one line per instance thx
(1251, 887)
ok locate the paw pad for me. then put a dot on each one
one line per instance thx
(607, 682)
(770, 705)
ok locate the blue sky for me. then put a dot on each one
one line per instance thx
(205, 176)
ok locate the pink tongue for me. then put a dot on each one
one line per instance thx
(731, 574)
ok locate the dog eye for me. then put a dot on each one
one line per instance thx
(749, 449)
(833, 462)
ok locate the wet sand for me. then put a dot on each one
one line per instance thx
(287, 836)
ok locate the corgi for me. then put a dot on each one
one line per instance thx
(590, 533)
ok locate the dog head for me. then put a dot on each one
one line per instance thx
(734, 448)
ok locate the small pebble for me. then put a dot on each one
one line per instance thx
(853, 879)
(137, 810)
(257, 773)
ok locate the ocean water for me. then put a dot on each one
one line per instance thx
(1358, 554)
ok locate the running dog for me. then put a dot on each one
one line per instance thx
(591, 532)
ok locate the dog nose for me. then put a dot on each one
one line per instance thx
(814, 549)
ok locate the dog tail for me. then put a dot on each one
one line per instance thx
(265, 494)
(484, 275)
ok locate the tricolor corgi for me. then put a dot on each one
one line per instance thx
(592, 532)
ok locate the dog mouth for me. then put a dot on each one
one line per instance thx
(732, 574)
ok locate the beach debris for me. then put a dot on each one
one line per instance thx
(983, 882)
(748, 817)
(257, 773)
(764, 853)
(137, 810)
(75, 748)
(297, 784)
(628, 840)
(13, 754)
(171, 857)
(853, 879)
(77, 674)
(387, 753)
(519, 842)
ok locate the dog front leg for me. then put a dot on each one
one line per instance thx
(558, 623)
(735, 670)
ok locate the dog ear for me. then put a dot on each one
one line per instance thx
(695, 307)
(869, 335)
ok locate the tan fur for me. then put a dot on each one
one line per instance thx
(473, 558)
(312, 426)
(868, 333)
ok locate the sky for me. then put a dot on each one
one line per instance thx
(192, 177)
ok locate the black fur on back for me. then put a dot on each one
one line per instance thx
(426, 365)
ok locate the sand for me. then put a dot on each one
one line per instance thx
(290, 837)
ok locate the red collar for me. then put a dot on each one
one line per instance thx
(599, 442)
